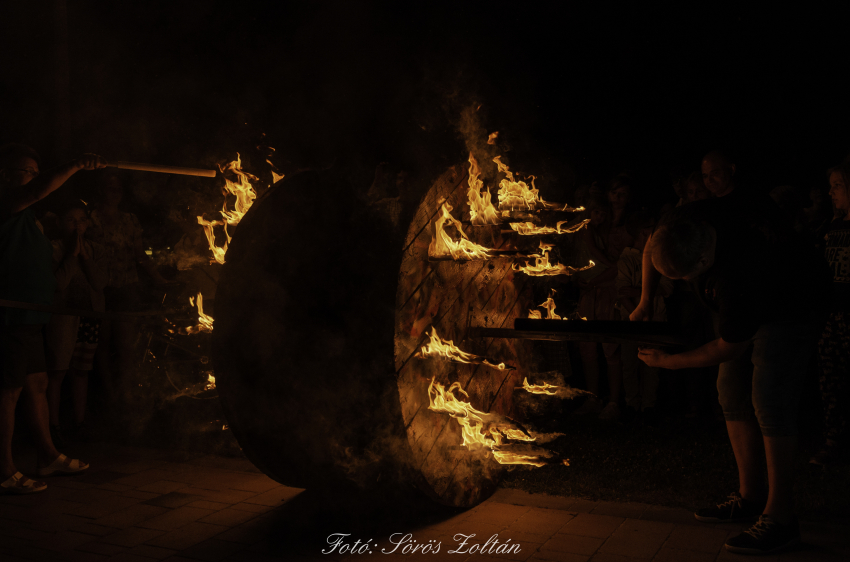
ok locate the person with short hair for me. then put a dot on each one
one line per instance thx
(834, 343)
(25, 260)
(768, 317)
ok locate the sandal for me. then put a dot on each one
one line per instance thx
(20, 484)
(63, 465)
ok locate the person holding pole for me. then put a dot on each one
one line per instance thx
(27, 276)
(768, 291)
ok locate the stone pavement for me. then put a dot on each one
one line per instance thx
(140, 505)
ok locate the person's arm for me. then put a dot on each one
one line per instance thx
(649, 284)
(47, 183)
(713, 353)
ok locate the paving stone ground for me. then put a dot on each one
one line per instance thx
(140, 505)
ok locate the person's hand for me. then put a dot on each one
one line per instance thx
(653, 357)
(84, 252)
(77, 246)
(642, 313)
(90, 162)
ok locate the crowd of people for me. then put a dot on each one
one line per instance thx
(763, 285)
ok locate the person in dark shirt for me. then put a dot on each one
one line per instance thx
(834, 344)
(768, 291)
(27, 276)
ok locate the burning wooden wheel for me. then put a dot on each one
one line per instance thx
(319, 318)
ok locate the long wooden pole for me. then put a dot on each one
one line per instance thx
(163, 169)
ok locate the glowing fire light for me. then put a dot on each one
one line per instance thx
(492, 138)
(210, 383)
(542, 267)
(443, 245)
(481, 430)
(205, 321)
(245, 196)
(481, 209)
(549, 305)
(565, 392)
(446, 349)
(529, 228)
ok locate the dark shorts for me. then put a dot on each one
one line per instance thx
(21, 353)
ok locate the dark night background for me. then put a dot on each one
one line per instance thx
(577, 94)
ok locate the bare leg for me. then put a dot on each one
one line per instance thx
(780, 475)
(8, 400)
(79, 391)
(747, 445)
(591, 366)
(35, 396)
(54, 394)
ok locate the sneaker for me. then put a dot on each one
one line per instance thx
(765, 537)
(734, 510)
(592, 405)
(56, 437)
(610, 413)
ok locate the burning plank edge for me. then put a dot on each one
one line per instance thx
(562, 392)
(446, 350)
(491, 255)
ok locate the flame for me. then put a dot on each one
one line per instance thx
(481, 430)
(481, 209)
(549, 305)
(205, 321)
(210, 383)
(529, 228)
(245, 196)
(443, 245)
(516, 195)
(565, 392)
(492, 138)
(446, 349)
(542, 267)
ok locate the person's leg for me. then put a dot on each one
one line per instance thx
(8, 400)
(781, 357)
(648, 386)
(734, 389)
(35, 397)
(746, 440)
(780, 451)
(79, 391)
(54, 394)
